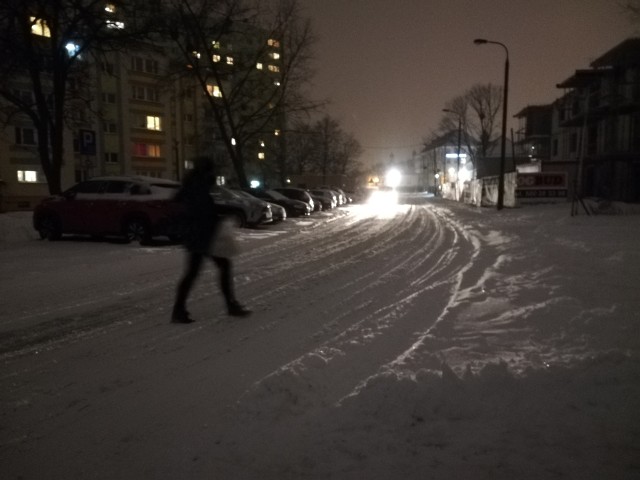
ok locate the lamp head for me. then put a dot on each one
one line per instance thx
(480, 41)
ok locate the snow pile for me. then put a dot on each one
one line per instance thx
(16, 227)
(568, 422)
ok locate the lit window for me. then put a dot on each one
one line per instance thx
(153, 123)
(114, 24)
(27, 176)
(261, 155)
(259, 66)
(195, 54)
(146, 150)
(216, 44)
(153, 150)
(276, 132)
(110, 7)
(40, 27)
(275, 56)
(273, 43)
(229, 60)
(214, 91)
(216, 58)
(261, 143)
(274, 68)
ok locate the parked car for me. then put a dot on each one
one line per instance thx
(245, 211)
(326, 197)
(317, 202)
(300, 194)
(342, 197)
(132, 207)
(279, 214)
(294, 208)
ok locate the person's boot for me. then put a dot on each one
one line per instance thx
(237, 310)
(180, 315)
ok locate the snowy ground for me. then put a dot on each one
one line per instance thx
(437, 341)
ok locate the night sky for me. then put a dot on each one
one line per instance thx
(389, 67)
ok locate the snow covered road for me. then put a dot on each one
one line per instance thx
(353, 364)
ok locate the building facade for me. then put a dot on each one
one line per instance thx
(144, 117)
(596, 126)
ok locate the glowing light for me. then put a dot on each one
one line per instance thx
(464, 175)
(452, 171)
(393, 178)
(72, 48)
(455, 155)
(233, 141)
(254, 183)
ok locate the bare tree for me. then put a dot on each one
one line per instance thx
(253, 88)
(323, 148)
(46, 49)
(632, 9)
(477, 111)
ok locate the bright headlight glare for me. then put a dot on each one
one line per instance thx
(393, 178)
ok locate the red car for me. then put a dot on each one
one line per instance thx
(132, 207)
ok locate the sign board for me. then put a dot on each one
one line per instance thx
(541, 187)
(87, 142)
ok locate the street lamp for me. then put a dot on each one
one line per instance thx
(482, 41)
(459, 138)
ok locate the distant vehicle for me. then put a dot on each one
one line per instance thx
(343, 198)
(294, 208)
(383, 197)
(245, 211)
(326, 197)
(297, 194)
(132, 207)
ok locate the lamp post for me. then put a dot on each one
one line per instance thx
(459, 139)
(482, 41)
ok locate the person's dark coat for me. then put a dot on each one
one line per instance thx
(200, 211)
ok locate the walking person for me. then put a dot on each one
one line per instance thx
(203, 224)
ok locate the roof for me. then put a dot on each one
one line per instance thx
(532, 109)
(582, 78)
(625, 53)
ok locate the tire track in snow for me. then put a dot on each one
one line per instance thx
(417, 272)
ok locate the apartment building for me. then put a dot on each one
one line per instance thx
(532, 148)
(144, 118)
(596, 126)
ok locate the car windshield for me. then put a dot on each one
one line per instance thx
(276, 195)
(224, 193)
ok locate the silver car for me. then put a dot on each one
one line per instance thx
(245, 211)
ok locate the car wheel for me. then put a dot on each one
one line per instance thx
(238, 220)
(49, 228)
(137, 229)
